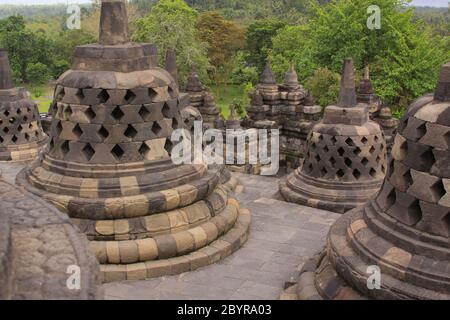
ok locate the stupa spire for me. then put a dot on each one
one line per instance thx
(442, 92)
(347, 94)
(171, 64)
(113, 23)
(5, 71)
(267, 76)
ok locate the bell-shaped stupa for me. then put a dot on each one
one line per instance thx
(109, 164)
(345, 161)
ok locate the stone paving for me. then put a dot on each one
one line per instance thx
(282, 237)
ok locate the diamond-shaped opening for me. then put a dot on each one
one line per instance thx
(348, 162)
(19, 128)
(14, 139)
(143, 150)
(333, 161)
(326, 149)
(130, 132)
(12, 120)
(334, 140)
(1, 139)
(428, 158)
(88, 152)
(310, 168)
(59, 128)
(67, 112)
(27, 137)
(438, 190)
(349, 142)
(5, 130)
(152, 93)
(130, 96)
(6, 113)
(103, 96)
(341, 151)
(320, 137)
(90, 114)
(340, 173)
(60, 94)
(156, 128)
(414, 213)
(318, 158)
(117, 113)
(376, 138)
(373, 172)
(80, 95)
(372, 149)
(323, 172)
(168, 146)
(175, 123)
(117, 152)
(378, 159)
(65, 148)
(143, 112)
(171, 92)
(407, 178)
(25, 118)
(364, 140)
(364, 161)
(51, 145)
(166, 110)
(383, 169)
(391, 198)
(356, 174)
(421, 130)
(313, 146)
(102, 132)
(19, 111)
(77, 130)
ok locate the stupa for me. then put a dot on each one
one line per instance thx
(405, 229)
(378, 112)
(21, 134)
(345, 161)
(109, 164)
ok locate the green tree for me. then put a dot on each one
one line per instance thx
(171, 24)
(259, 40)
(324, 85)
(224, 39)
(37, 73)
(403, 55)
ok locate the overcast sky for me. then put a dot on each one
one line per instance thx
(433, 3)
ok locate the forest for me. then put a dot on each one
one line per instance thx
(229, 41)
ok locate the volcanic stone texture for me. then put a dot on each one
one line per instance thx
(38, 244)
(405, 229)
(109, 167)
(21, 134)
(345, 161)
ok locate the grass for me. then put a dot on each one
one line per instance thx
(42, 95)
(225, 95)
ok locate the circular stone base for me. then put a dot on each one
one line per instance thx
(337, 197)
(22, 153)
(217, 250)
(340, 272)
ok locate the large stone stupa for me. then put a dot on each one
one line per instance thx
(405, 229)
(345, 161)
(21, 134)
(109, 164)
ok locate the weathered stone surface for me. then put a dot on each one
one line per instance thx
(21, 134)
(109, 166)
(345, 161)
(38, 245)
(404, 230)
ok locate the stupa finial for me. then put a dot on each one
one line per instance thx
(5, 71)
(347, 94)
(113, 23)
(442, 92)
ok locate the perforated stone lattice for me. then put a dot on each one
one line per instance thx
(345, 158)
(112, 126)
(19, 123)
